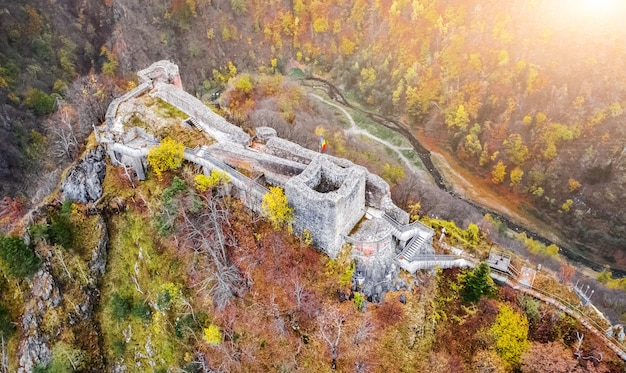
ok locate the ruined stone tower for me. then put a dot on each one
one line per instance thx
(328, 200)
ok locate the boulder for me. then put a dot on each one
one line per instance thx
(83, 182)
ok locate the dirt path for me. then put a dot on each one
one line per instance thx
(356, 131)
(464, 185)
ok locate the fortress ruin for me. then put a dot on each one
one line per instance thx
(335, 200)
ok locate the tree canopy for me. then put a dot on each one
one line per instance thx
(276, 208)
(168, 155)
(510, 331)
(17, 258)
(477, 283)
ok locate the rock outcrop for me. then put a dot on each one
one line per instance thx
(65, 305)
(34, 349)
(83, 182)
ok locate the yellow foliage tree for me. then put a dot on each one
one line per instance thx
(212, 335)
(514, 147)
(498, 173)
(393, 174)
(320, 24)
(510, 331)
(573, 185)
(244, 84)
(567, 205)
(168, 155)
(347, 46)
(552, 250)
(276, 208)
(217, 177)
(458, 118)
(516, 176)
(541, 118)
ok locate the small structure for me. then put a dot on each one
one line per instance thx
(617, 332)
(583, 293)
(527, 277)
(499, 261)
(161, 71)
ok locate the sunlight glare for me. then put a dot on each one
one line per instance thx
(598, 7)
(590, 15)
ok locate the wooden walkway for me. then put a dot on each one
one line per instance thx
(587, 322)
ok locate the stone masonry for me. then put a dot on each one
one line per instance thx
(328, 201)
(329, 195)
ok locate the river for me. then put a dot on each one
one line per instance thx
(425, 156)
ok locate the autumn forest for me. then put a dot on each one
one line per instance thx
(524, 98)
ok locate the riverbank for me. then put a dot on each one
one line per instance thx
(460, 183)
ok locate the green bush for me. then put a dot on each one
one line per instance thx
(164, 221)
(121, 306)
(163, 300)
(118, 347)
(359, 301)
(477, 283)
(17, 258)
(60, 231)
(186, 325)
(142, 311)
(66, 359)
(39, 102)
(6, 324)
(38, 232)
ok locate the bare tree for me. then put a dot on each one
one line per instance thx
(64, 142)
(204, 231)
(330, 330)
(566, 272)
(298, 291)
(406, 191)
(363, 331)
(578, 353)
(4, 359)
(90, 95)
(361, 366)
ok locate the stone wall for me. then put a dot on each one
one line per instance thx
(257, 161)
(134, 158)
(114, 123)
(216, 126)
(377, 193)
(328, 216)
(250, 192)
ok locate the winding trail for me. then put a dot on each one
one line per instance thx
(577, 313)
(425, 156)
(355, 130)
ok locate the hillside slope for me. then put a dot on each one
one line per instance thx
(527, 96)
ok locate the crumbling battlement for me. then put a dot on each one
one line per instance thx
(206, 120)
(377, 193)
(328, 201)
(113, 122)
(258, 162)
(162, 71)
